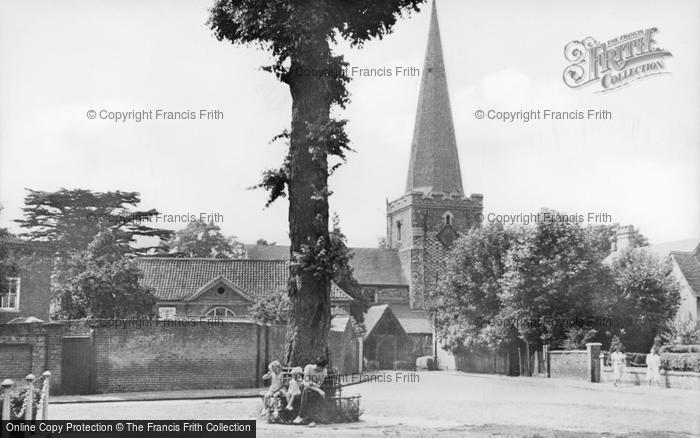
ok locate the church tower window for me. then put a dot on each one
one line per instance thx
(398, 231)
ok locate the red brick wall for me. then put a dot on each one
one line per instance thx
(46, 349)
(158, 357)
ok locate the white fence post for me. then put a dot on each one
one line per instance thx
(29, 410)
(45, 406)
(6, 385)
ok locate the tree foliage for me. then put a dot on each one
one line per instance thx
(554, 275)
(71, 219)
(271, 309)
(201, 239)
(547, 284)
(100, 282)
(646, 298)
(468, 301)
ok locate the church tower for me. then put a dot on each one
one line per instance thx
(424, 222)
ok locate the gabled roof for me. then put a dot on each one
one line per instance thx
(689, 265)
(220, 280)
(371, 266)
(177, 279)
(374, 315)
(414, 321)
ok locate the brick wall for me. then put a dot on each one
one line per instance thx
(569, 364)
(34, 293)
(43, 340)
(160, 357)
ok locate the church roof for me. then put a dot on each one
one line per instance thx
(175, 279)
(371, 266)
(434, 162)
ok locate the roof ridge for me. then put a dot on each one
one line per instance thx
(210, 259)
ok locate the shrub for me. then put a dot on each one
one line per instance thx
(680, 349)
(18, 395)
(681, 361)
(576, 338)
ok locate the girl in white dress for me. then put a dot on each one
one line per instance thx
(276, 385)
(619, 360)
(653, 367)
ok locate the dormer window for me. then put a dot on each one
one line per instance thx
(9, 300)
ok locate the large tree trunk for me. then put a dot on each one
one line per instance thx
(309, 323)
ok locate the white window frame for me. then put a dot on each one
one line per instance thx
(168, 315)
(17, 291)
(228, 313)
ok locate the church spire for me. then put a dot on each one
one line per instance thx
(434, 163)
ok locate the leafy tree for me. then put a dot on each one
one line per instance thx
(201, 239)
(263, 242)
(271, 309)
(382, 242)
(646, 297)
(100, 282)
(300, 35)
(72, 218)
(468, 300)
(554, 275)
(577, 338)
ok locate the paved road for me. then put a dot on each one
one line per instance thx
(456, 404)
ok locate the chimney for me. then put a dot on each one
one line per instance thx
(625, 238)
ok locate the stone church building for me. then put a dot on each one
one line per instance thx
(421, 225)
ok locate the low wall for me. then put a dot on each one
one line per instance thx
(669, 379)
(568, 364)
(126, 356)
(178, 356)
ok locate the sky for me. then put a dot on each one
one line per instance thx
(59, 60)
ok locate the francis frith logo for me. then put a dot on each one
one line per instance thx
(616, 62)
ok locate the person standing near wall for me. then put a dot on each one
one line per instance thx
(653, 367)
(618, 359)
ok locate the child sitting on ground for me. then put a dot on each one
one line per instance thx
(276, 385)
(294, 389)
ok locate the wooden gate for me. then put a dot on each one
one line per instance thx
(77, 365)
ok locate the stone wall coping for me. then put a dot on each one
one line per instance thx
(643, 370)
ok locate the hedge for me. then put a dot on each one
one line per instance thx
(680, 349)
(681, 361)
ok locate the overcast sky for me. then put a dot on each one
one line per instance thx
(58, 60)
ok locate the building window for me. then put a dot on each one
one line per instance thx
(447, 218)
(166, 312)
(398, 231)
(10, 299)
(222, 312)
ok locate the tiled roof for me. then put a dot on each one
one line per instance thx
(414, 321)
(175, 279)
(375, 314)
(689, 265)
(377, 266)
(371, 266)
